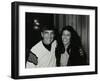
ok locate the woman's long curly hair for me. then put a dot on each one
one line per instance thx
(75, 42)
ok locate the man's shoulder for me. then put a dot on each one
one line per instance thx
(36, 45)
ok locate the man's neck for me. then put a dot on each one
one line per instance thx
(47, 46)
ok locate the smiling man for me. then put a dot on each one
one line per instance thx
(43, 53)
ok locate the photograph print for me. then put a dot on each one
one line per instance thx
(56, 40)
(51, 40)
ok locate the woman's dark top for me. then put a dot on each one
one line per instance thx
(76, 57)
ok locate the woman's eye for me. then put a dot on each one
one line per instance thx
(66, 35)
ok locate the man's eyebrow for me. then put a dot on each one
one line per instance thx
(48, 31)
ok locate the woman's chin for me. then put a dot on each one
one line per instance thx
(65, 43)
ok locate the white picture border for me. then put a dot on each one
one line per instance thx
(55, 70)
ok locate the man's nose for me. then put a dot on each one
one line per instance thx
(50, 36)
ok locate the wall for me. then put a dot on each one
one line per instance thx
(5, 40)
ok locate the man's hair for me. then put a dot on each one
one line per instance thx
(46, 27)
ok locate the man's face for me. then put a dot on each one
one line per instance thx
(48, 36)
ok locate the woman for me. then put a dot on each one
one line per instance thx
(69, 51)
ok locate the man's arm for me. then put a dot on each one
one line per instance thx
(33, 58)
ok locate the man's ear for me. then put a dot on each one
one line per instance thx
(41, 34)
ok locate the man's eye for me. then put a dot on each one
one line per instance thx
(45, 32)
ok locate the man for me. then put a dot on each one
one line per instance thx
(43, 53)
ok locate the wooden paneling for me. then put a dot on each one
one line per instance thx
(60, 22)
(74, 22)
(78, 25)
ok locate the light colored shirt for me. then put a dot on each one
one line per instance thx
(46, 58)
(64, 59)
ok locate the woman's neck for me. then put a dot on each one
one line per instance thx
(66, 46)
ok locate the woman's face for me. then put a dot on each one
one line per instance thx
(66, 35)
